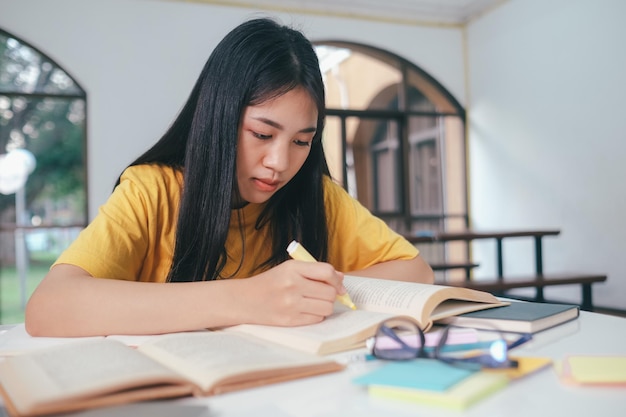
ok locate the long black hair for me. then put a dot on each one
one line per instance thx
(257, 61)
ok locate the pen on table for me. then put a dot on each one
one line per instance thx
(297, 252)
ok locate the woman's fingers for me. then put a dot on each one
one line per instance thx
(318, 271)
(293, 293)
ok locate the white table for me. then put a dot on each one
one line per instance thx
(540, 394)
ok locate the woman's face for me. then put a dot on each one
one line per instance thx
(274, 141)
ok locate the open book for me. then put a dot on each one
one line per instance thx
(377, 300)
(100, 372)
(16, 341)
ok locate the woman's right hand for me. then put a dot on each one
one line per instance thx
(293, 293)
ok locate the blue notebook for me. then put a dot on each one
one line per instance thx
(423, 374)
(520, 317)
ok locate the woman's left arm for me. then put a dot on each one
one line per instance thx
(416, 270)
(364, 244)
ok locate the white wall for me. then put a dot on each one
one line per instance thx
(546, 79)
(547, 124)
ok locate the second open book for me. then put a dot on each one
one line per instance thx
(377, 300)
(96, 372)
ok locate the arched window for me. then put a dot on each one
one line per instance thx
(43, 180)
(395, 138)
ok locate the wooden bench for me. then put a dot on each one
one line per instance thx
(469, 235)
(448, 266)
(500, 285)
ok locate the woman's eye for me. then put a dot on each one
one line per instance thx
(302, 142)
(261, 136)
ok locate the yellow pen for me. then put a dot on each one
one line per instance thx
(297, 252)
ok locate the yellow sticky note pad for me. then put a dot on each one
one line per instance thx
(526, 365)
(595, 369)
(460, 396)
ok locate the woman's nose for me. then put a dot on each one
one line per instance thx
(277, 157)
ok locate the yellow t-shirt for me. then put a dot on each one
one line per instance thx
(132, 237)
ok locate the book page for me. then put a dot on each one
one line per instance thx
(210, 358)
(453, 307)
(423, 302)
(16, 340)
(79, 370)
(135, 340)
(345, 329)
(387, 296)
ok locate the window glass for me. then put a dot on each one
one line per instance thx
(395, 138)
(23, 69)
(424, 167)
(349, 86)
(426, 95)
(43, 184)
(385, 152)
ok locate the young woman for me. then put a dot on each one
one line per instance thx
(239, 174)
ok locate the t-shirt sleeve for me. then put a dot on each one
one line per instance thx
(114, 244)
(357, 238)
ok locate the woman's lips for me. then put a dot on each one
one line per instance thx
(265, 185)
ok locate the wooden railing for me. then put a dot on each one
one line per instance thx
(499, 285)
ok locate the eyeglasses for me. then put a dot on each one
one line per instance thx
(400, 339)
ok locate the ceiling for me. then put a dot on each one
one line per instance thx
(418, 12)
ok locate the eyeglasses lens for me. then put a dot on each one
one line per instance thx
(490, 352)
(398, 341)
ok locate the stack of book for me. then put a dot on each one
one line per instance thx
(519, 317)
